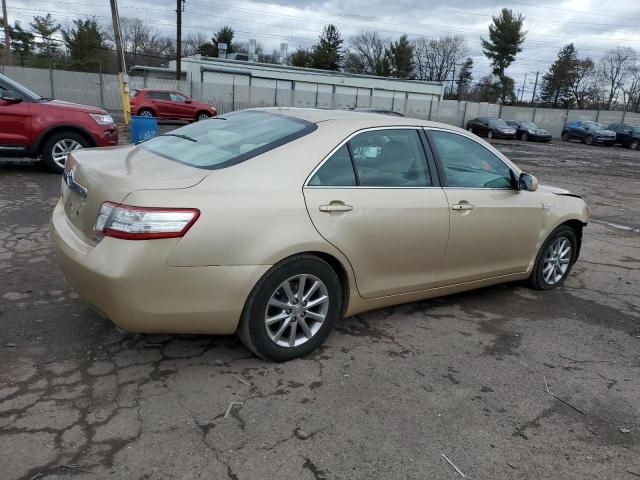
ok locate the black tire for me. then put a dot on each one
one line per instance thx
(588, 140)
(48, 147)
(202, 115)
(252, 330)
(565, 137)
(490, 134)
(536, 279)
(146, 112)
(525, 136)
(634, 145)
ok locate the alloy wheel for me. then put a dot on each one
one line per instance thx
(556, 260)
(146, 113)
(296, 310)
(588, 140)
(525, 136)
(61, 150)
(203, 116)
(634, 145)
(490, 134)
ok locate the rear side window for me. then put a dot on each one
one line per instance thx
(229, 139)
(337, 171)
(159, 95)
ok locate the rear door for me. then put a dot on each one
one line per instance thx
(494, 227)
(375, 199)
(15, 123)
(162, 103)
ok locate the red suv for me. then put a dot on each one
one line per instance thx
(168, 105)
(33, 126)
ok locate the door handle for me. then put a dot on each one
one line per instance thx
(336, 207)
(462, 206)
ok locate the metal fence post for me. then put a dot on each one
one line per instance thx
(406, 102)
(191, 84)
(464, 115)
(597, 115)
(430, 107)
(51, 77)
(317, 87)
(533, 119)
(333, 97)
(101, 87)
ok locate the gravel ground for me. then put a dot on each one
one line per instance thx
(390, 392)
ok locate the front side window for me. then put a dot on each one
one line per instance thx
(390, 158)
(228, 139)
(469, 164)
(176, 97)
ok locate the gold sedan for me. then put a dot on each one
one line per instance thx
(274, 223)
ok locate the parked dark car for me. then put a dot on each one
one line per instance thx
(491, 127)
(588, 132)
(626, 135)
(35, 126)
(529, 131)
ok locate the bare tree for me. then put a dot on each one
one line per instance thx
(615, 67)
(368, 53)
(632, 89)
(581, 81)
(435, 58)
(191, 44)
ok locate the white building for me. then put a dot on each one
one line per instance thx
(251, 83)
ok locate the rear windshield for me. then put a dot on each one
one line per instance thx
(229, 139)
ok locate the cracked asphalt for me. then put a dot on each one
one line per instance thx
(390, 392)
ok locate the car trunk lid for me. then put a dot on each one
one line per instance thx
(95, 176)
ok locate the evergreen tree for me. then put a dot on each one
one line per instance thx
(301, 58)
(465, 77)
(45, 28)
(22, 41)
(401, 57)
(555, 88)
(85, 43)
(505, 42)
(327, 53)
(224, 35)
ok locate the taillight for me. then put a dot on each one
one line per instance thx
(143, 223)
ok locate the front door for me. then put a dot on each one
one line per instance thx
(15, 123)
(181, 108)
(494, 226)
(374, 199)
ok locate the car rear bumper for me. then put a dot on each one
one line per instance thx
(131, 283)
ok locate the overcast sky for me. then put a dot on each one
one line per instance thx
(593, 25)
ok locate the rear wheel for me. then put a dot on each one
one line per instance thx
(292, 309)
(555, 259)
(57, 148)
(490, 134)
(634, 145)
(589, 140)
(146, 112)
(525, 136)
(565, 137)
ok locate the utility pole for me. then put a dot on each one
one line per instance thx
(7, 37)
(535, 85)
(179, 8)
(524, 84)
(122, 62)
(453, 77)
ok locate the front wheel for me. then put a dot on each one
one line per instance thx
(634, 145)
(565, 137)
(588, 140)
(59, 146)
(555, 259)
(292, 309)
(490, 134)
(525, 136)
(202, 116)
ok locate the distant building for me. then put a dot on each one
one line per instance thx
(272, 84)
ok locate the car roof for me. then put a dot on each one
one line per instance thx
(357, 119)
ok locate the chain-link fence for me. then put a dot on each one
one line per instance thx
(103, 90)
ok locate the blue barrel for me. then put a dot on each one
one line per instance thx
(143, 128)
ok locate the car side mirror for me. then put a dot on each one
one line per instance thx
(527, 182)
(188, 101)
(10, 96)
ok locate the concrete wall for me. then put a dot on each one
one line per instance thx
(103, 90)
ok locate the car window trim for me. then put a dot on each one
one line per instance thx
(417, 128)
(440, 165)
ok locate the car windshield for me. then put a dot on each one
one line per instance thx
(229, 139)
(529, 125)
(20, 88)
(498, 122)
